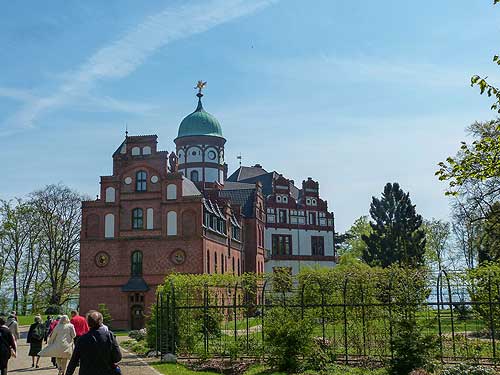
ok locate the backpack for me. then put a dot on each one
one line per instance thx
(38, 333)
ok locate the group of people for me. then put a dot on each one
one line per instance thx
(85, 342)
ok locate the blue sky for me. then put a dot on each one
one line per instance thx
(354, 94)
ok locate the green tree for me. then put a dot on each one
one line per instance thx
(437, 234)
(397, 235)
(354, 244)
(489, 247)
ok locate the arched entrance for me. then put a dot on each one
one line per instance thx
(137, 317)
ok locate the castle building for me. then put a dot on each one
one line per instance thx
(163, 212)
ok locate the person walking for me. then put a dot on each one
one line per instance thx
(80, 324)
(97, 351)
(7, 346)
(53, 324)
(35, 338)
(60, 343)
(13, 326)
(47, 327)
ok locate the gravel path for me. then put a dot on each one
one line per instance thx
(130, 365)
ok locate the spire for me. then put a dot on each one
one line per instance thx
(200, 86)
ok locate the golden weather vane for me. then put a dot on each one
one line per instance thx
(200, 86)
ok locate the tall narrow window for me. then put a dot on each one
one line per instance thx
(136, 268)
(140, 181)
(312, 218)
(109, 226)
(317, 245)
(195, 176)
(208, 261)
(137, 218)
(215, 262)
(171, 223)
(282, 216)
(282, 244)
(222, 263)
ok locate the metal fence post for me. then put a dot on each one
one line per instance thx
(345, 321)
(492, 323)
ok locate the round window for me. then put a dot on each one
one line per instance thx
(212, 155)
(154, 179)
(128, 180)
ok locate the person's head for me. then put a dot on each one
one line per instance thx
(58, 317)
(94, 319)
(48, 317)
(38, 319)
(2, 320)
(13, 313)
(74, 313)
(64, 319)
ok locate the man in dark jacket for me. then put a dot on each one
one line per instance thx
(7, 344)
(97, 351)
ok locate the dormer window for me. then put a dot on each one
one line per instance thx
(141, 181)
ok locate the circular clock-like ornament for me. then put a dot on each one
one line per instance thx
(128, 180)
(178, 256)
(154, 179)
(102, 259)
(212, 155)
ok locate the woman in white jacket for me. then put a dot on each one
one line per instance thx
(60, 343)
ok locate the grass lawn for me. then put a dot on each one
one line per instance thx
(26, 320)
(178, 369)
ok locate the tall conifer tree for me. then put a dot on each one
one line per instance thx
(397, 235)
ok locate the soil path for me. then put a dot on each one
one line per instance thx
(130, 365)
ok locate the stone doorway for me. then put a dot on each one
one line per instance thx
(137, 317)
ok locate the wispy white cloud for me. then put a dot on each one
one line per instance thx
(126, 54)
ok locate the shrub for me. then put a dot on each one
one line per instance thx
(138, 335)
(412, 349)
(287, 337)
(463, 369)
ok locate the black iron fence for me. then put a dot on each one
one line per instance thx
(356, 320)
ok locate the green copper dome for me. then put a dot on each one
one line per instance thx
(199, 122)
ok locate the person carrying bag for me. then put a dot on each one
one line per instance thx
(97, 351)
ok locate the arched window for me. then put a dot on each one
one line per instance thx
(109, 226)
(146, 150)
(171, 191)
(136, 151)
(137, 218)
(136, 266)
(195, 176)
(110, 194)
(140, 180)
(171, 223)
(208, 261)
